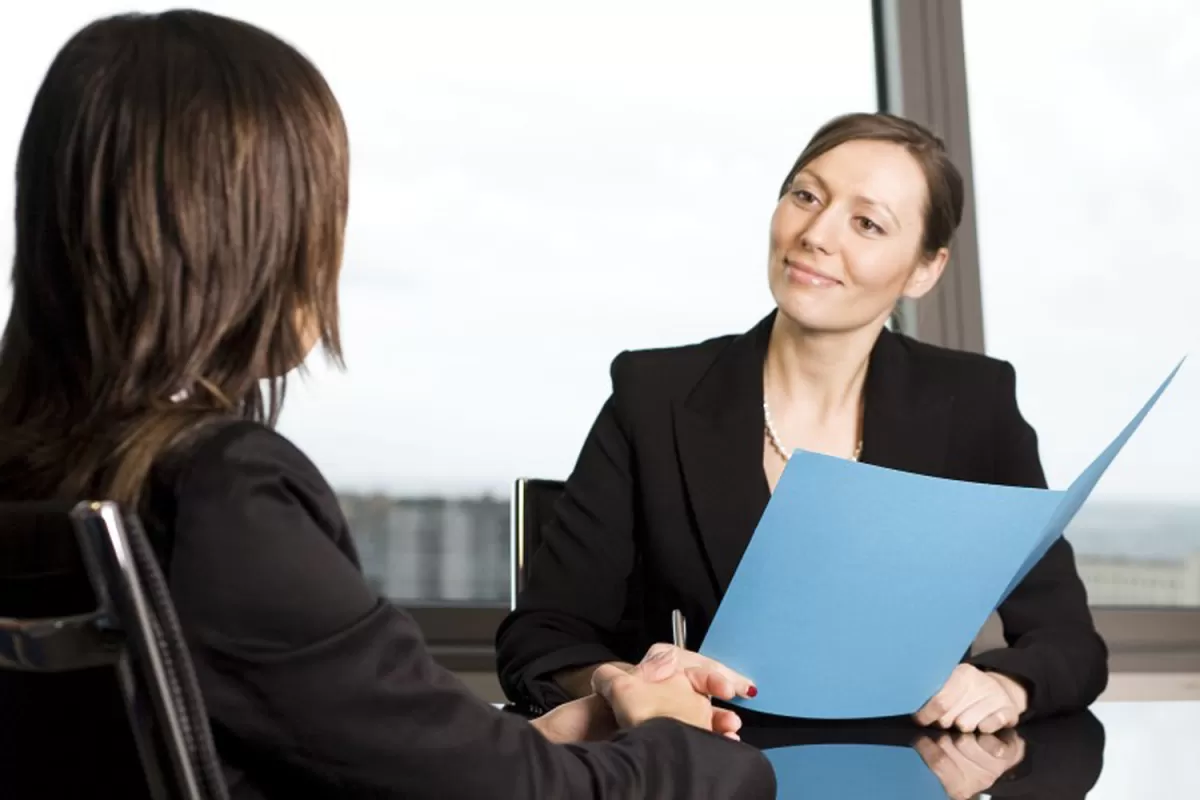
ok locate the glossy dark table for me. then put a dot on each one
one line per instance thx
(1116, 751)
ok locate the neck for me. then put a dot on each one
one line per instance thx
(823, 372)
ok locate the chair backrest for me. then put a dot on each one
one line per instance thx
(532, 509)
(97, 691)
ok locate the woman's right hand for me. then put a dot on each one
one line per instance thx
(708, 676)
(634, 699)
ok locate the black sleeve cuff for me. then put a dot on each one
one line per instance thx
(537, 687)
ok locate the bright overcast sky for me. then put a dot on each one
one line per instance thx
(535, 189)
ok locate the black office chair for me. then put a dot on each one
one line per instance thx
(532, 509)
(97, 692)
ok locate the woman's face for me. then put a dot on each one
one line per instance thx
(846, 238)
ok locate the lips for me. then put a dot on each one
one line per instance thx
(808, 275)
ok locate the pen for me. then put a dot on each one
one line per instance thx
(678, 629)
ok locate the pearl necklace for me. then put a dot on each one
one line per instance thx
(784, 453)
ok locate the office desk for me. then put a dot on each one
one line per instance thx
(1117, 751)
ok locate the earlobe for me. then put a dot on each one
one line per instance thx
(926, 275)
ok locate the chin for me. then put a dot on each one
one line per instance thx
(806, 317)
(825, 310)
(821, 318)
(808, 308)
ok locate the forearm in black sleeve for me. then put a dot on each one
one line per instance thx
(577, 580)
(390, 719)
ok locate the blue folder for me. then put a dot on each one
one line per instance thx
(863, 586)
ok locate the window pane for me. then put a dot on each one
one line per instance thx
(1085, 164)
(534, 192)
(536, 186)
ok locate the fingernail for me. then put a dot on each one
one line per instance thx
(752, 691)
(659, 656)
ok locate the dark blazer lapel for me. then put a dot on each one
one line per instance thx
(718, 430)
(906, 421)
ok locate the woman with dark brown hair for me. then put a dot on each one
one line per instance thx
(686, 452)
(181, 202)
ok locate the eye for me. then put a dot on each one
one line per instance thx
(804, 196)
(867, 225)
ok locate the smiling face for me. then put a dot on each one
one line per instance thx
(846, 238)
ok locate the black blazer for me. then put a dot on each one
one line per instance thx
(669, 487)
(317, 687)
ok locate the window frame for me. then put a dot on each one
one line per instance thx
(922, 74)
(460, 638)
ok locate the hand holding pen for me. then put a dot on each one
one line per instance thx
(707, 676)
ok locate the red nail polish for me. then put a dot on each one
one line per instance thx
(752, 691)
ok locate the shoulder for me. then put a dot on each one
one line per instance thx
(956, 372)
(243, 445)
(242, 449)
(982, 390)
(253, 516)
(259, 559)
(241, 466)
(667, 371)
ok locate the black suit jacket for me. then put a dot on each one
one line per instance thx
(669, 487)
(317, 687)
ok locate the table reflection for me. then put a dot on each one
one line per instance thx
(1117, 751)
(1059, 758)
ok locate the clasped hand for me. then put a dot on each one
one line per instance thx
(668, 682)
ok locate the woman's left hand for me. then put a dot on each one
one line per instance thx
(974, 700)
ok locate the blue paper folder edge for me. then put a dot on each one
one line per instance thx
(1058, 514)
(1079, 491)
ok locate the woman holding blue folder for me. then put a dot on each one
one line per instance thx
(686, 452)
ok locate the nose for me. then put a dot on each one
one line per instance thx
(820, 232)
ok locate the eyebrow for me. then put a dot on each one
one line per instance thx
(858, 198)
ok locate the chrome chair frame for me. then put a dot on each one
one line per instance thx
(125, 632)
(525, 529)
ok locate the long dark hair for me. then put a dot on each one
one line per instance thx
(182, 189)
